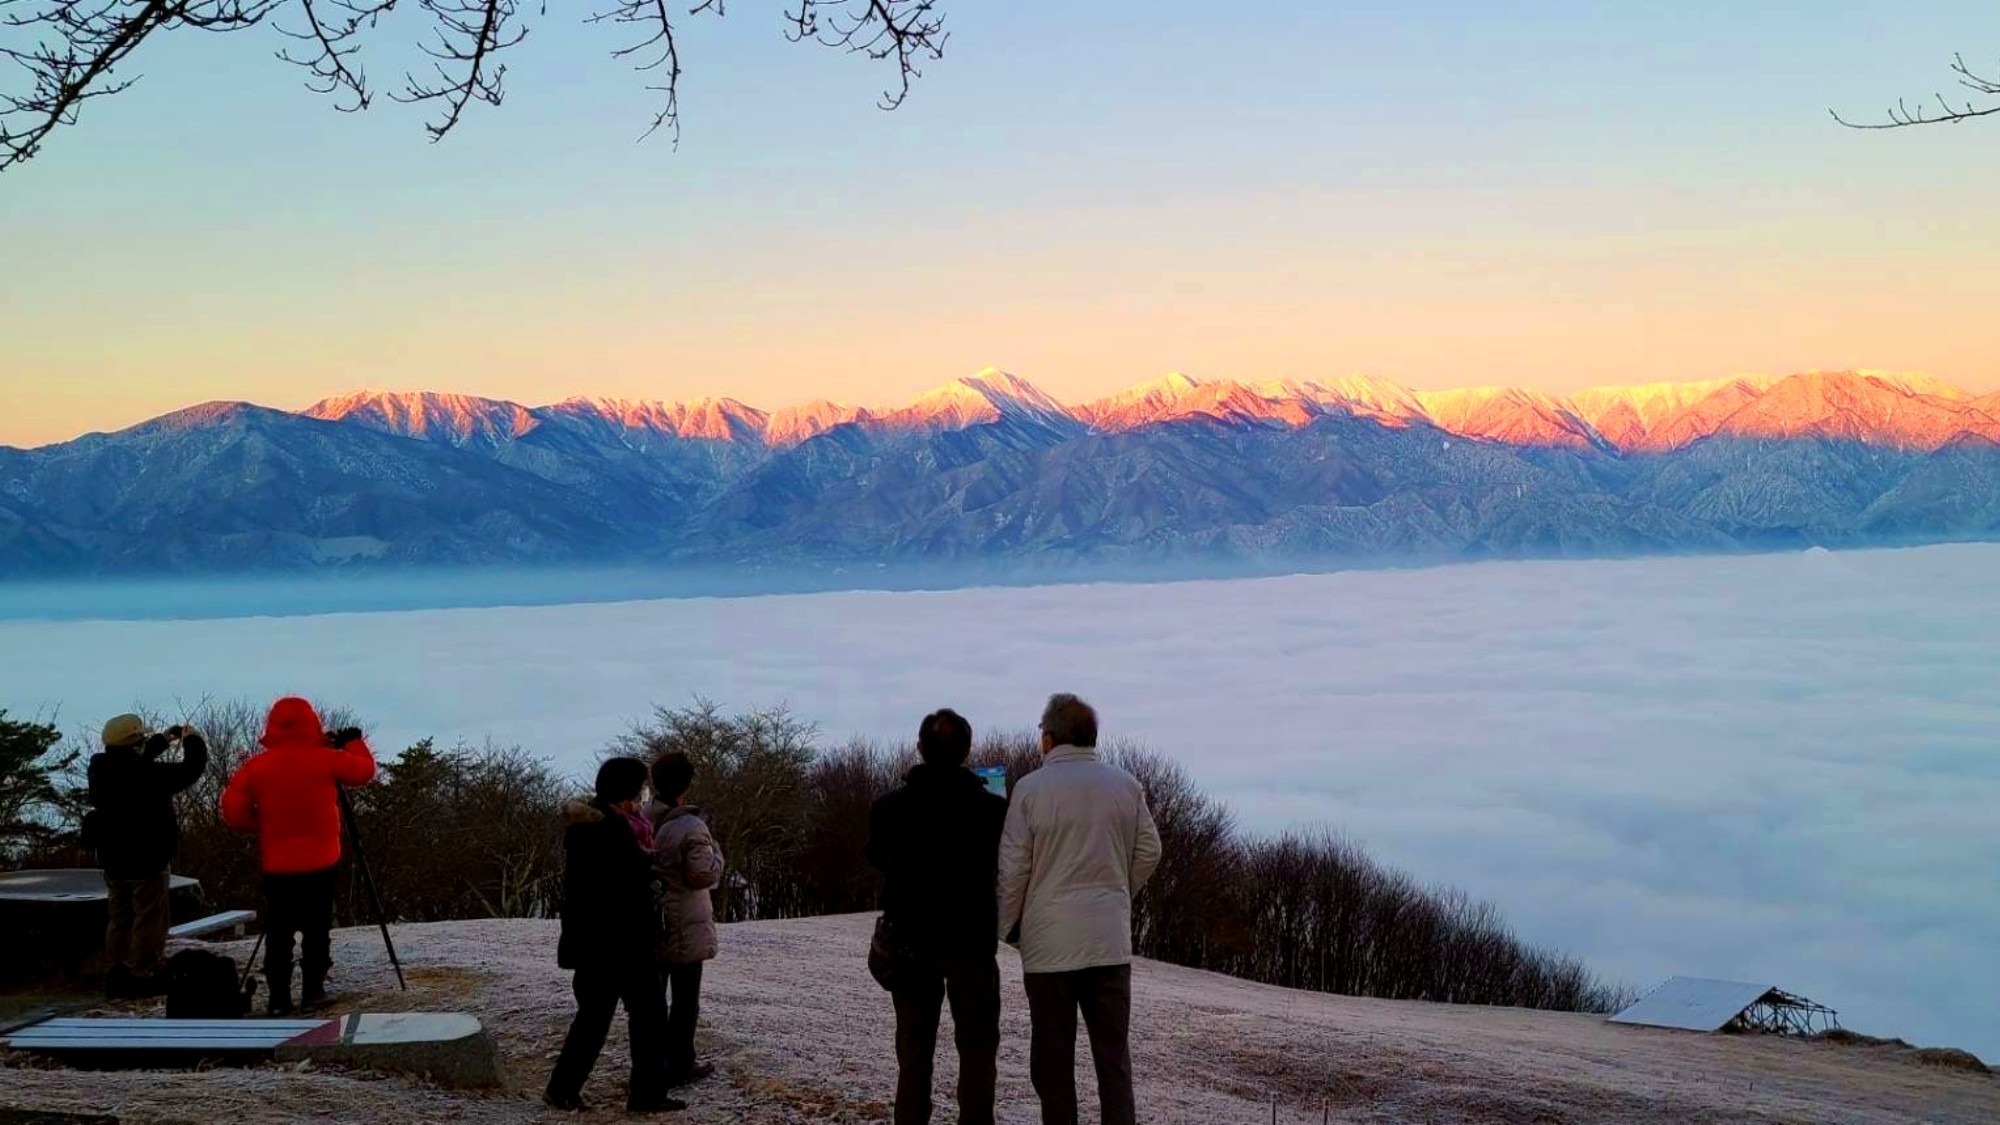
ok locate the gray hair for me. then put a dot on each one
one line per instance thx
(1070, 721)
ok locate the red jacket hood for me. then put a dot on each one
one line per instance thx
(293, 721)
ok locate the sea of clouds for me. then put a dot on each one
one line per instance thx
(1779, 768)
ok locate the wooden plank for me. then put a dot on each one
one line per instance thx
(27, 1042)
(164, 1035)
(79, 1036)
(112, 1044)
(119, 1021)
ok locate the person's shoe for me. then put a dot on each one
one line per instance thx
(691, 1076)
(279, 1006)
(662, 1104)
(118, 984)
(312, 999)
(567, 1103)
(148, 985)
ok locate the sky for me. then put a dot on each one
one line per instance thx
(1774, 768)
(1560, 195)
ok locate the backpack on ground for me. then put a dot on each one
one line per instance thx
(203, 985)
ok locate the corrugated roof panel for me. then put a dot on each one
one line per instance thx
(1693, 1003)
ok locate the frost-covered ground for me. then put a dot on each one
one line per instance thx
(801, 1034)
(1782, 768)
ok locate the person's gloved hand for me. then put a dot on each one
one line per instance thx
(343, 736)
(156, 744)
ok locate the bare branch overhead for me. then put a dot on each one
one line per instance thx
(62, 53)
(1903, 114)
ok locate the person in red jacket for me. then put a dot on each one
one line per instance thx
(289, 796)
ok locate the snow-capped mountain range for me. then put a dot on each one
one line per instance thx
(990, 467)
(1899, 411)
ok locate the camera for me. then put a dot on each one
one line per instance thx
(338, 739)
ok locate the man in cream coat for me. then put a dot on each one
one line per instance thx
(1078, 844)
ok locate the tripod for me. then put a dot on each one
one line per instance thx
(368, 882)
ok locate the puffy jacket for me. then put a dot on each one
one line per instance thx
(608, 914)
(686, 863)
(288, 794)
(1079, 843)
(132, 797)
(936, 841)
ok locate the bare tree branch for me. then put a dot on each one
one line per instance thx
(469, 34)
(1903, 115)
(331, 26)
(656, 50)
(73, 46)
(61, 53)
(906, 30)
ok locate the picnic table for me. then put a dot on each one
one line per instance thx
(54, 919)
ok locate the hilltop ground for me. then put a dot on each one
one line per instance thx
(803, 1035)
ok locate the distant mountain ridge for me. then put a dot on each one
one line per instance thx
(1880, 408)
(989, 467)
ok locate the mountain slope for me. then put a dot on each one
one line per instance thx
(1511, 415)
(451, 419)
(233, 486)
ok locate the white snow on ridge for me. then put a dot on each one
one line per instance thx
(1651, 415)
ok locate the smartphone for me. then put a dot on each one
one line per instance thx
(995, 778)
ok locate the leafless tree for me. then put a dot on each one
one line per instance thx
(1904, 114)
(63, 53)
(474, 832)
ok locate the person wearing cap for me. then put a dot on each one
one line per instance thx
(134, 830)
(289, 795)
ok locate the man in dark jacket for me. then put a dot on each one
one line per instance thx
(135, 831)
(937, 842)
(610, 927)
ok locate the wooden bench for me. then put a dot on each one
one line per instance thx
(160, 1041)
(231, 920)
(451, 1049)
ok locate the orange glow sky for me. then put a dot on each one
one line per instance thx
(1328, 199)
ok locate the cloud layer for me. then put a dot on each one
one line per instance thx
(1779, 768)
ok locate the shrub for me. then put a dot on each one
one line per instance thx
(753, 783)
(460, 833)
(474, 832)
(37, 783)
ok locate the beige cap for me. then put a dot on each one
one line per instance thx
(125, 730)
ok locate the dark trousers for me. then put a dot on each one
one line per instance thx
(973, 984)
(298, 904)
(135, 923)
(1104, 996)
(599, 990)
(683, 984)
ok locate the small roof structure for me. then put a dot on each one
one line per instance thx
(1699, 1004)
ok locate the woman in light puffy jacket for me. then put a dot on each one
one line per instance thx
(686, 863)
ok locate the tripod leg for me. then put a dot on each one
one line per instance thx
(368, 884)
(251, 963)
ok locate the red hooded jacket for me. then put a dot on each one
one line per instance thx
(287, 794)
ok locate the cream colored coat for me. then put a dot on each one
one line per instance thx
(686, 863)
(1079, 843)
